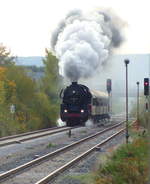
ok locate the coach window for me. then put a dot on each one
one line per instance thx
(100, 102)
(95, 102)
(104, 102)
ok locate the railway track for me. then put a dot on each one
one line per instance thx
(53, 174)
(59, 160)
(31, 135)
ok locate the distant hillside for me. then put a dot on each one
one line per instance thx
(138, 68)
(28, 61)
(35, 72)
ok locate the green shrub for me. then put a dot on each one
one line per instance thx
(51, 145)
(128, 165)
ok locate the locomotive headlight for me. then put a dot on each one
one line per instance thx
(82, 111)
(65, 110)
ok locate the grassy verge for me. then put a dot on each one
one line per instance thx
(128, 165)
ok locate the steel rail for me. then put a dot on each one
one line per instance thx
(47, 132)
(29, 133)
(38, 160)
(75, 160)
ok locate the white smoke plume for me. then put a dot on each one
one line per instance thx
(83, 43)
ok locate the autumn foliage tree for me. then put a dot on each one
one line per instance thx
(7, 86)
(5, 56)
(35, 102)
(7, 89)
(2, 83)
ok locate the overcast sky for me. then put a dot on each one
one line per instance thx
(26, 25)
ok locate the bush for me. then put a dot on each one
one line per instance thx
(128, 165)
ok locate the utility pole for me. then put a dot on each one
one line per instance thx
(137, 104)
(126, 61)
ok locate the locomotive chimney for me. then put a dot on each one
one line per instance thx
(74, 83)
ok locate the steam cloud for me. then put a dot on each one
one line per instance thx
(82, 43)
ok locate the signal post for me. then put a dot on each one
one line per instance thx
(146, 93)
(109, 88)
(137, 105)
(147, 109)
(147, 104)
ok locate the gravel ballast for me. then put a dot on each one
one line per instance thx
(12, 156)
(90, 164)
(42, 170)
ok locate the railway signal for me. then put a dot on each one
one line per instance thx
(108, 85)
(146, 86)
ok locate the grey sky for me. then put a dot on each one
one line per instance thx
(26, 25)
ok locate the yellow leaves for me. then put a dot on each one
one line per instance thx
(10, 87)
(104, 180)
(2, 92)
(12, 84)
(2, 83)
(2, 69)
(7, 87)
(2, 73)
(20, 116)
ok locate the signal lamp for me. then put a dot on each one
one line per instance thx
(146, 86)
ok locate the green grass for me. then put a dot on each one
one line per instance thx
(50, 145)
(84, 179)
(128, 165)
(83, 131)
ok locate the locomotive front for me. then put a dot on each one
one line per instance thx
(75, 107)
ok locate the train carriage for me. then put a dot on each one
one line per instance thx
(100, 106)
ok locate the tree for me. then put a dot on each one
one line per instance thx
(45, 110)
(25, 86)
(6, 60)
(51, 84)
(5, 56)
(25, 91)
(51, 81)
(2, 84)
(35, 106)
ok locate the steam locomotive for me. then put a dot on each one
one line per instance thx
(79, 104)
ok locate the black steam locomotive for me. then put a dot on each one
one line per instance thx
(80, 104)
